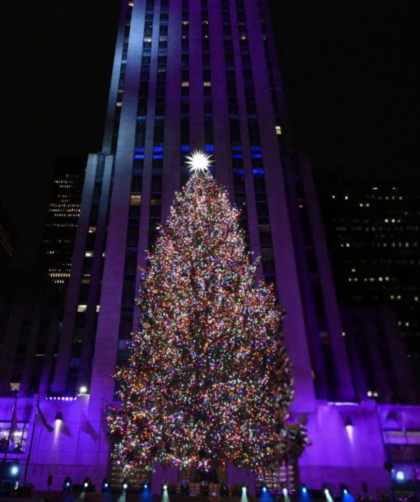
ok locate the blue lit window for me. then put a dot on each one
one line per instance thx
(209, 148)
(185, 148)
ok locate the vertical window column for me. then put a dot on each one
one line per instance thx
(197, 140)
(174, 74)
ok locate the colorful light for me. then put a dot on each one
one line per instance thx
(208, 370)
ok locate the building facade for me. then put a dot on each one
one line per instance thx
(373, 229)
(62, 219)
(197, 74)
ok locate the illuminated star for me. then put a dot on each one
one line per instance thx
(198, 162)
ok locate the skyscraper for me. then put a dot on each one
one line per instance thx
(372, 226)
(62, 218)
(198, 74)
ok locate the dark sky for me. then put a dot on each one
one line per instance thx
(348, 72)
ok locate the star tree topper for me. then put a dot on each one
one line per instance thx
(198, 162)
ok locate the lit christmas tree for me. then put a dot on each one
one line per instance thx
(208, 376)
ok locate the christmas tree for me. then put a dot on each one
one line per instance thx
(208, 376)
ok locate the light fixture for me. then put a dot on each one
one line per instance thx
(67, 485)
(400, 476)
(83, 389)
(105, 485)
(14, 470)
(285, 491)
(343, 488)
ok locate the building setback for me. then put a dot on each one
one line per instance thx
(198, 74)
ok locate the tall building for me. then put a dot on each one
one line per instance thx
(62, 218)
(195, 74)
(373, 229)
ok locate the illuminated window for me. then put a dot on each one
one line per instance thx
(15, 438)
(135, 200)
(98, 308)
(278, 132)
(92, 230)
(89, 254)
(185, 84)
(81, 308)
(207, 84)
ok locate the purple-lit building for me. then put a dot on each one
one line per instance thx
(202, 74)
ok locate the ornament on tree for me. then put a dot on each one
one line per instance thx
(208, 370)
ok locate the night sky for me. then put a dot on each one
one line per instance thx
(348, 72)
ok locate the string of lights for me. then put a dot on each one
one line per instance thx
(208, 375)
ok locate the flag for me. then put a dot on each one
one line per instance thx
(13, 424)
(43, 419)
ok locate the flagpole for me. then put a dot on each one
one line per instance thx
(28, 459)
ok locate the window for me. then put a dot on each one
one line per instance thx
(14, 442)
(81, 308)
(135, 200)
